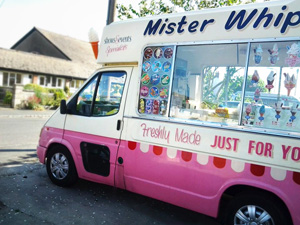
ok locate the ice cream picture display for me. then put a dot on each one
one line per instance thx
(146, 66)
(278, 109)
(248, 111)
(155, 80)
(293, 112)
(255, 78)
(158, 53)
(270, 81)
(293, 55)
(258, 54)
(256, 95)
(289, 82)
(262, 111)
(273, 58)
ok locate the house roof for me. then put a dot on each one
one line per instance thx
(81, 64)
(76, 50)
(33, 63)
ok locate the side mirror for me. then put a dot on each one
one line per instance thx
(63, 107)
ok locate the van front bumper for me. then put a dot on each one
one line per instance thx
(41, 153)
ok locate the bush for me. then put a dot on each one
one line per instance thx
(34, 103)
(43, 95)
(8, 98)
(34, 87)
(67, 90)
(58, 96)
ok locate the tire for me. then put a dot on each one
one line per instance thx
(256, 209)
(60, 167)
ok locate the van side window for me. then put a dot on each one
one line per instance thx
(102, 95)
(85, 98)
(206, 78)
(109, 94)
(272, 91)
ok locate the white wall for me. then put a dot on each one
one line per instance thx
(26, 79)
(1, 78)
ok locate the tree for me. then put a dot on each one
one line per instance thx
(157, 7)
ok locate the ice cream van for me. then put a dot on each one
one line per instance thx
(157, 119)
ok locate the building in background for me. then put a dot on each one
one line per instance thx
(47, 59)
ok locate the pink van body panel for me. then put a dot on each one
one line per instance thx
(41, 153)
(49, 135)
(185, 182)
(73, 139)
(191, 180)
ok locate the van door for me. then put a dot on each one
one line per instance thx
(94, 123)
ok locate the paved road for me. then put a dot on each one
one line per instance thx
(28, 197)
(18, 138)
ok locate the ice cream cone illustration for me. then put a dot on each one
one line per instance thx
(273, 54)
(163, 108)
(248, 111)
(94, 41)
(255, 78)
(270, 80)
(142, 106)
(262, 111)
(293, 55)
(258, 55)
(256, 95)
(278, 109)
(289, 82)
(293, 112)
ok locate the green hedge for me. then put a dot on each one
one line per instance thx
(43, 94)
(8, 98)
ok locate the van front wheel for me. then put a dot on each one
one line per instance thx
(256, 209)
(60, 167)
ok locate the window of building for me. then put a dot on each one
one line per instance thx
(59, 82)
(79, 83)
(5, 79)
(72, 84)
(10, 79)
(19, 79)
(49, 81)
(53, 81)
(75, 84)
(42, 80)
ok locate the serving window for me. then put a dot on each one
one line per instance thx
(206, 78)
(272, 91)
(240, 84)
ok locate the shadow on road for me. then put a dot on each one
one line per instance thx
(85, 202)
(154, 210)
(18, 156)
(17, 150)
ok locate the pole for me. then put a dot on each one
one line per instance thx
(111, 11)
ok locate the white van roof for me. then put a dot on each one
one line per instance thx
(123, 41)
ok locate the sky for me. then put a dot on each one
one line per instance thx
(73, 18)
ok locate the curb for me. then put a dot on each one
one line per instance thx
(25, 116)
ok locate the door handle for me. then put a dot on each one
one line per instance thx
(119, 122)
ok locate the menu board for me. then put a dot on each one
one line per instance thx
(155, 80)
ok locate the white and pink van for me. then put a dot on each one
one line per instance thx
(199, 109)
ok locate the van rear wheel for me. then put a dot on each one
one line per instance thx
(60, 167)
(256, 209)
